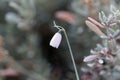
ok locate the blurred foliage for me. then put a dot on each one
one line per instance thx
(25, 26)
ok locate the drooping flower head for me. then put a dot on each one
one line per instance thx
(56, 40)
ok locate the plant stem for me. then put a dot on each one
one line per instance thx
(71, 54)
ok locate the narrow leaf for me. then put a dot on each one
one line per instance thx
(94, 28)
(96, 22)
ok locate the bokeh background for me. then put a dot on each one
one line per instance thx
(26, 28)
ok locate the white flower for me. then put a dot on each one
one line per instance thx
(100, 61)
(56, 40)
(90, 58)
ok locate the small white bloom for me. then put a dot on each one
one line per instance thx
(56, 40)
(100, 61)
(90, 58)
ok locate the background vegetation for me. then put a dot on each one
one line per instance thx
(26, 28)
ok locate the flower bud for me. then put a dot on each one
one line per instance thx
(56, 40)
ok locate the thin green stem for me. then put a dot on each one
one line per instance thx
(71, 54)
(68, 43)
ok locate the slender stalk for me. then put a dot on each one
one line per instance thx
(70, 50)
(71, 54)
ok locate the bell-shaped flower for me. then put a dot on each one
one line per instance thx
(56, 40)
